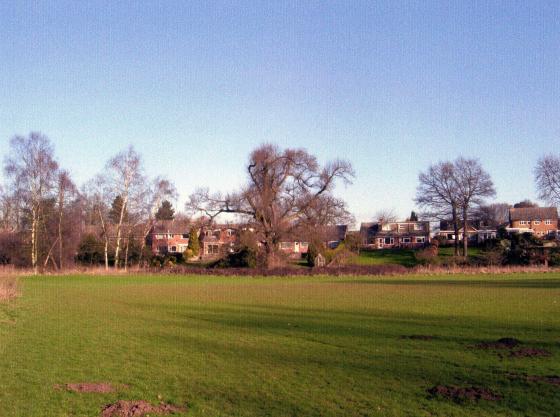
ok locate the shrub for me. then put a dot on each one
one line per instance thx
(428, 255)
(312, 252)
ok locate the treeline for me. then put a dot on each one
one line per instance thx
(48, 221)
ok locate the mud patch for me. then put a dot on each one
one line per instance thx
(551, 379)
(529, 353)
(418, 337)
(503, 343)
(462, 394)
(138, 409)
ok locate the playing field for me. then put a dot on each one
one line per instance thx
(307, 346)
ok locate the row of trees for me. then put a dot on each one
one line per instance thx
(41, 204)
(287, 192)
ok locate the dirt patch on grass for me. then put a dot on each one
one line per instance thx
(551, 379)
(462, 394)
(138, 409)
(513, 346)
(503, 343)
(8, 288)
(418, 337)
(529, 353)
(97, 387)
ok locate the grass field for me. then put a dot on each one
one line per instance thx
(308, 346)
(404, 257)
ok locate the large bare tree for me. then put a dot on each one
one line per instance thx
(473, 185)
(32, 173)
(438, 197)
(66, 191)
(96, 196)
(547, 179)
(286, 190)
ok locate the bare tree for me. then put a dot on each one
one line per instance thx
(438, 196)
(159, 190)
(123, 177)
(473, 184)
(32, 171)
(387, 215)
(96, 196)
(547, 179)
(66, 190)
(286, 189)
(493, 215)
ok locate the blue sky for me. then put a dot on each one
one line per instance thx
(391, 86)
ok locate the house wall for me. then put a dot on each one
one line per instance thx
(170, 241)
(540, 227)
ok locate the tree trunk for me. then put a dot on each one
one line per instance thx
(34, 239)
(456, 230)
(126, 253)
(119, 230)
(465, 234)
(105, 236)
(60, 209)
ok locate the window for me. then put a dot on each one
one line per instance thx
(185, 236)
(159, 236)
(207, 233)
(536, 222)
(401, 227)
(420, 239)
(418, 226)
(522, 222)
(386, 226)
(212, 249)
(286, 245)
(173, 248)
(389, 241)
(548, 221)
(229, 232)
(304, 244)
(406, 240)
(380, 242)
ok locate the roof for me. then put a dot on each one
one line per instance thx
(171, 226)
(533, 213)
(335, 233)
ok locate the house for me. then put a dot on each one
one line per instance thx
(217, 240)
(298, 245)
(541, 221)
(334, 235)
(476, 233)
(169, 236)
(388, 235)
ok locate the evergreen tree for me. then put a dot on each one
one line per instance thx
(413, 216)
(166, 211)
(115, 212)
(194, 244)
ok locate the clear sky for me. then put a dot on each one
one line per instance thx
(392, 86)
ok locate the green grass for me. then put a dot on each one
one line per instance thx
(307, 346)
(404, 257)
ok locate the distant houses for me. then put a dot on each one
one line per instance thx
(217, 240)
(389, 235)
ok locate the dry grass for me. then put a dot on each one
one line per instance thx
(8, 287)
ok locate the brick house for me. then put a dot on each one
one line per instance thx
(169, 236)
(389, 235)
(331, 236)
(541, 221)
(217, 240)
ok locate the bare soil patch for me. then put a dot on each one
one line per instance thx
(529, 353)
(550, 379)
(138, 409)
(462, 394)
(418, 337)
(97, 387)
(503, 343)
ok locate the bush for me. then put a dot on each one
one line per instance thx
(312, 253)
(428, 255)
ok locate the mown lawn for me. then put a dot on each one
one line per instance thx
(404, 257)
(302, 346)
